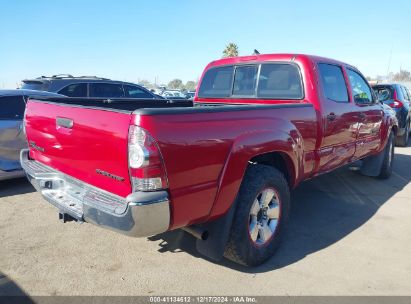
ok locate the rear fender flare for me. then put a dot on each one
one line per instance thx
(288, 142)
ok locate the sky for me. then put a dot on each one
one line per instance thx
(160, 40)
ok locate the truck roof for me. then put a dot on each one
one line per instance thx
(272, 57)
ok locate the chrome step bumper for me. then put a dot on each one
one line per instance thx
(139, 214)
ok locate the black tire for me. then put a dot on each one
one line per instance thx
(240, 247)
(402, 141)
(386, 167)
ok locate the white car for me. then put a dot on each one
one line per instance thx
(173, 93)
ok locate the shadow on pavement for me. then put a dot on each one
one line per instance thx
(324, 210)
(15, 187)
(10, 291)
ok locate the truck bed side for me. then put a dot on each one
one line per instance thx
(207, 149)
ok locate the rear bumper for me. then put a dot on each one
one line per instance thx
(139, 214)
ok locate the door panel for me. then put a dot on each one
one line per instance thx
(371, 113)
(369, 131)
(340, 119)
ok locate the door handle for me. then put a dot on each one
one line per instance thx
(64, 122)
(331, 116)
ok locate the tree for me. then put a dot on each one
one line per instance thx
(231, 50)
(175, 84)
(146, 83)
(402, 75)
(190, 85)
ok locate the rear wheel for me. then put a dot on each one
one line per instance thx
(263, 205)
(386, 167)
(402, 141)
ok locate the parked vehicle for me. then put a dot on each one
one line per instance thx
(88, 86)
(221, 170)
(12, 139)
(173, 94)
(190, 95)
(397, 97)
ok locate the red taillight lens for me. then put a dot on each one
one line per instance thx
(396, 103)
(146, 164)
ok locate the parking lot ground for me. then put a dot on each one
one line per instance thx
(349, 235)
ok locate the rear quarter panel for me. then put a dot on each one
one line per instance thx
(206, 154)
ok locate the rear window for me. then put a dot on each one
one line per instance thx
(384, 93)
(12, 107)
(245, 80)
(34, 85)
(217, 82)
(275, 81)
(280, 81)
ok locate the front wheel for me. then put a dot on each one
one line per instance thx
(263, 205)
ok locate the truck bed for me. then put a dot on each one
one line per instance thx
(198, 143)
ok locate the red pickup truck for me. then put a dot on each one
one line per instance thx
(221, 169)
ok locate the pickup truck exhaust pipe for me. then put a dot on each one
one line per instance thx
(197, 232)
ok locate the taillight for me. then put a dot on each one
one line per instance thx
(396, 103)
(146, 164)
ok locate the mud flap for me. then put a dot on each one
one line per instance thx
(218, 233)
(371, 166)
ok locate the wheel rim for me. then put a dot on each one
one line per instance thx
(264, 216)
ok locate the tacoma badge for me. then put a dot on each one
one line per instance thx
(116, 177)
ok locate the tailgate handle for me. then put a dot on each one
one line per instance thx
(64, 122)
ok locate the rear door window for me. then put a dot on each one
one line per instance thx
(405, 93)
(360, 89)
(245, 80)
(106, 90)
(75, 90)
(12, 107)
(409, 95)
(217, 82)
(280, 81)
(136, 92)
(333, 82)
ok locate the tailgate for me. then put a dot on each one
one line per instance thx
(89, 144)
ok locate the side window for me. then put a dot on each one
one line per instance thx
(217, 82)
(409, 94)
(333, 82)
(245, 80)
(106, 90)
(74, 90)
(360, 89)
(136, 92)
(279, 81)
(12, 107)
(405, 93)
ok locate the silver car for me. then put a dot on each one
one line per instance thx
(12, 138)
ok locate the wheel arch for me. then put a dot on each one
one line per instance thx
(280, 149)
